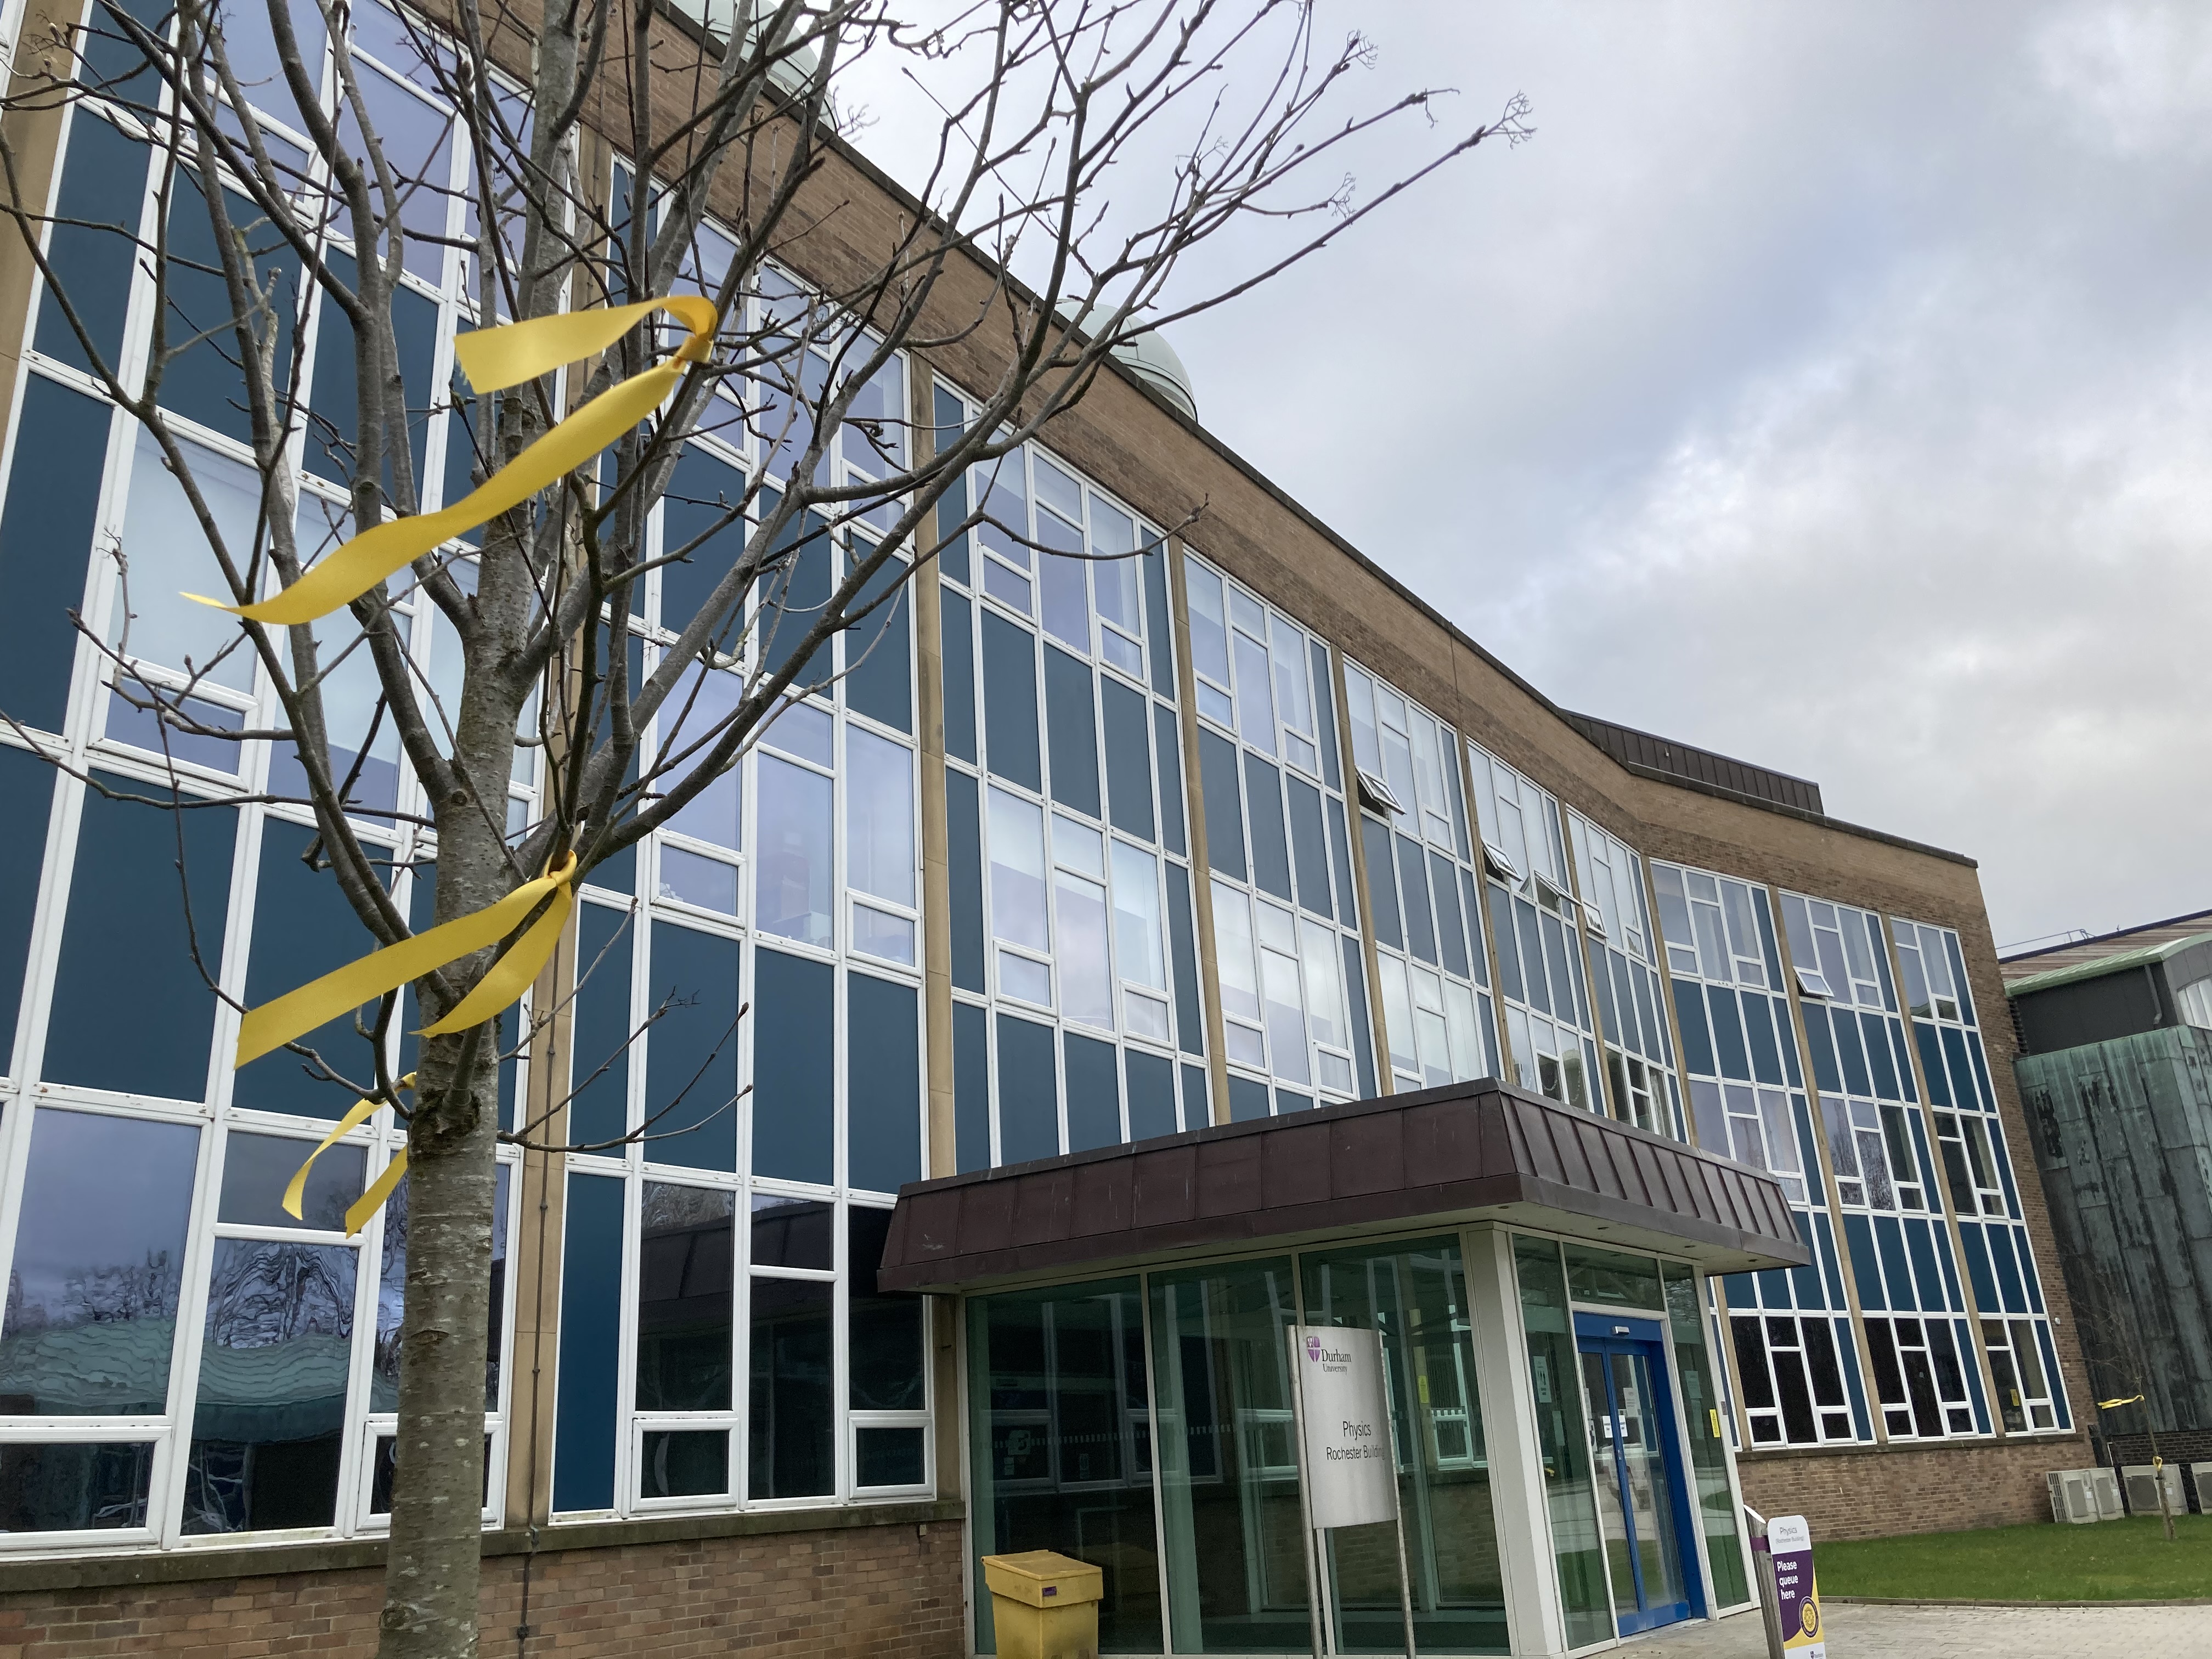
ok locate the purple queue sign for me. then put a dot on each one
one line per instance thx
(1796, 1594)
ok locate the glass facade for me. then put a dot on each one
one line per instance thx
(1171, 808)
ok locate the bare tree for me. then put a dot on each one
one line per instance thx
(1094, 145)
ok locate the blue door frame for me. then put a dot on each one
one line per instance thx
(1645, 1338)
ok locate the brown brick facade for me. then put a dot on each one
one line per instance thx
(884, 1591)
(1878, 1492)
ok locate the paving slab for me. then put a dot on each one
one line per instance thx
(1864, 1631)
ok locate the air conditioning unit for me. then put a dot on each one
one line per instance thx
(2073, 1495)
(2143, 1484)
(2200, 1476)
(2107, 1488)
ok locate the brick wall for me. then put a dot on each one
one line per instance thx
(1905, 1488)
(887, 1591)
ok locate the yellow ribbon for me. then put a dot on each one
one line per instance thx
(357, 1215)
(296, 1013)
(494, 359)
(2107, 1405)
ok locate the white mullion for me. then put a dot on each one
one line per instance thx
(168, 1486)
(625, 1471)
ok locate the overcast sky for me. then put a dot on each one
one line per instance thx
(1829, 385)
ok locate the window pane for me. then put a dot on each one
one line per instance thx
(270, 1418)
(1137, 917)
(127, 886)
(689, 878)
(1085, 969)
(888, 1457)
(99, 1267)
(49, 1488)
(793, 891)
(255, 1169)
(882, 1077)
(1286, 1026)
(1232, 935)
(1018, 909)
(878, 817)
(591, 1349)
(684, 1463)
(792, 1414)
(885, 1334)
(1255, 703)
(685, 1302)
(691, 1046)
(1209, 632)
(792, 1232)
(794, 1063)
(703, 701)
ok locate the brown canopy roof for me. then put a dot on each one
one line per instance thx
(1471, 1152)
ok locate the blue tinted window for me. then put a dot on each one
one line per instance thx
(105, 1200)
(794, 1062)
(794, 597)
(1169, 745)
(1151, 1093)
(1247, 1099)
(794, 1415)
(1225, 809)
(1129, 759)
(1525, 925)
(963, 836)
(971, 1087)
(701, 494)
(1728, 1034)
(1697, 1035)
(103, 192)
(1325, 712)
(1189, 1023)
(1509, 957)
(952, 505)
(27, 783)
(202, 382)
(959, 645)
(334, 398)
(1413, 883)
(45, 536)
(1363, 1043)
(879, 650)
(1307, 848)
(598, 1071)
(1758, 1023)
(691, 1051)
(1074, 732)
(1271, 855)
(303, 927)
(126, 887)
(1451, 934)
(1347, 908)
(1029, 1103)
(882, 1094)
(1010, 710)
(1156, 601)
(1094, 1094)
(1197, 1098)
(591, 1344)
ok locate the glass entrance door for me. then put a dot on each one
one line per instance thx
(1635, 1456)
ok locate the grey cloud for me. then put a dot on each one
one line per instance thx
(1827, 385)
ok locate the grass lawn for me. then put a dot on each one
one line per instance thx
(2108, 1561)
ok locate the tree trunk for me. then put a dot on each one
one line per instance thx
(433, 1570)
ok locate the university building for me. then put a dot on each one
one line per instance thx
(1142, 956)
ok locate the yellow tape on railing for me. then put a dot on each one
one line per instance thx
(296, 1013)
(494, 359)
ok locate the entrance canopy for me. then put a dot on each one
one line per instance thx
(1474, 1151)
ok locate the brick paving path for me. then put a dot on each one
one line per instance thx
(1857, 1631)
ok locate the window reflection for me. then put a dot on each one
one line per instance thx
(52, 1488)
(99, 1267)
(268, 1420)
(794, 1407)
(391, 1300)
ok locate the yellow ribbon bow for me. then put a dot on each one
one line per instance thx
(494, 359)
(357, 1213)
(296, 1013)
